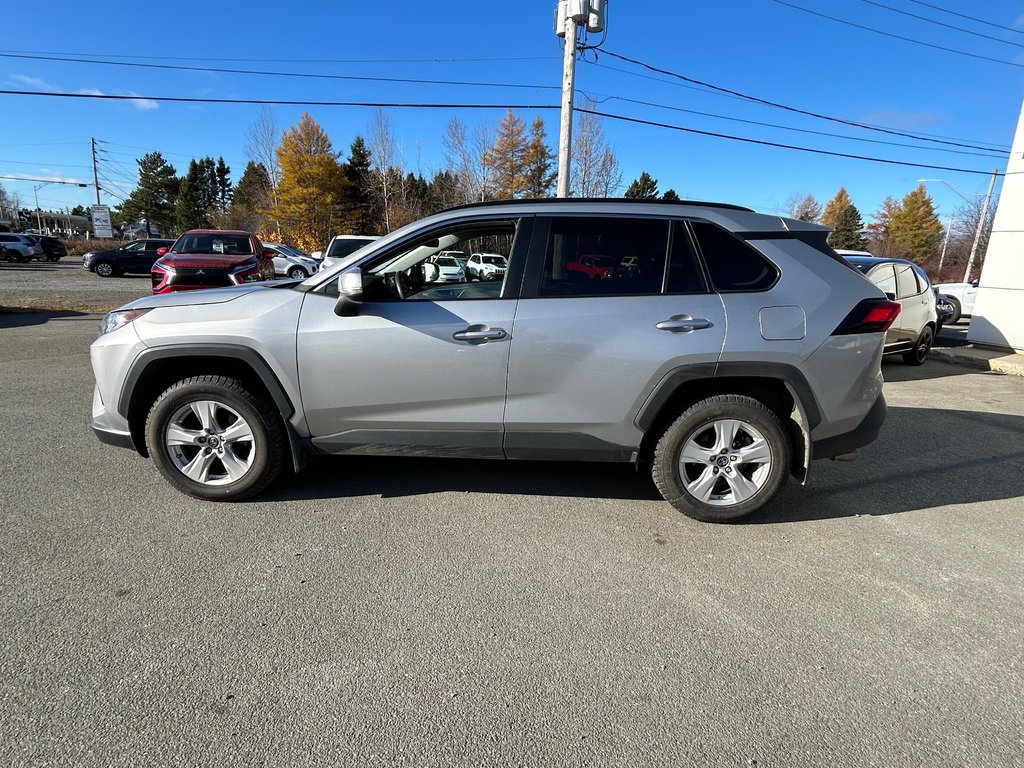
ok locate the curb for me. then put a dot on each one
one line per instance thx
(982, 359)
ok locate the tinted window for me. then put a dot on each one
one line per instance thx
(217, 243)
(7, 239)
(907, 280)
(884, 278)
(341, 248)
(604, 256)
(684, 272)
(732, 264)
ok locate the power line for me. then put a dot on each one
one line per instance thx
(796, 110)
(965, 16)
(899, 37)
(988, 153)
(278, 102)
(941, 23)
(797, 148)
(292, 61)
(270, 73)
(48, 181)
(45, 164)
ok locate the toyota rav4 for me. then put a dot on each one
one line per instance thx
(738, 349)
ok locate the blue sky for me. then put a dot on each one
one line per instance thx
(759, 47)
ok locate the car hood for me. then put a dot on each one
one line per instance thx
(195, 298)
(205, 260)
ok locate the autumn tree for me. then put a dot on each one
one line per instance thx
(879, 238)
(503, 161)
(153, 199)
(804, 207)
(594, 168)
(313, 189)
(915, 229)
(834, 206)
(643, 187)
(538, 162)
(846, 234)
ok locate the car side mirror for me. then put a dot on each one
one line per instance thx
(974, 283)
(161, 251)
(269, 254)
(890, 296)
(350, 293)
(431, 272)
(317, 255)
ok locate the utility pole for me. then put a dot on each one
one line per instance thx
(570, 16)
(95, 174)
(945, 242)
(981, 226)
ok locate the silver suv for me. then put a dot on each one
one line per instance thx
(725, 351)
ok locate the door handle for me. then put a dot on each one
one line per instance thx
(480, 333)
(683, 324)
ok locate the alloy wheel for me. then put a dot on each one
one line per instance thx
(210, 443)
(725, 462)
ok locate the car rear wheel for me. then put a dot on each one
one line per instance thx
(723, 458)
(297, 273)
(957, 309)
(212, 438)
(919, 353)
(104, 269)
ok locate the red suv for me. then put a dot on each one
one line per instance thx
(211, 258)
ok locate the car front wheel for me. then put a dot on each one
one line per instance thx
(212, 438)
(297, 273)
(723, 458)
(104, 269)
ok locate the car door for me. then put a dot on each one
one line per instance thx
(884, 276)
(148, 255)
(422, 372)
(131, 256)
(915, 302)
(587, 353)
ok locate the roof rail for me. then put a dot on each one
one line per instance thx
(628, 200)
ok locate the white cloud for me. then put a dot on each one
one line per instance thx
(91, 91)
(141, 103)
(35, 82)
(898, 118)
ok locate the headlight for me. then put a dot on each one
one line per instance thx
(120, 317)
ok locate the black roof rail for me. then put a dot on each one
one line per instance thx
(630, 200)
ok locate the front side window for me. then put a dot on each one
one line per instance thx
(733, 265)
(133, 246)
(604, 256)
(420, 272)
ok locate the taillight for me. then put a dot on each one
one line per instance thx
(869, 316)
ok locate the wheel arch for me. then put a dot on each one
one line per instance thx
(157, 368)
(782, 388)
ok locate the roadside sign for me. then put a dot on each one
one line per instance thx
(101, 221)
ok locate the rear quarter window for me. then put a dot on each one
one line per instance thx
(733, 265)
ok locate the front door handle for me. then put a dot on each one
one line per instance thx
(480, 333)
(683, 324)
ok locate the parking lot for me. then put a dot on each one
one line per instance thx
(389, 611)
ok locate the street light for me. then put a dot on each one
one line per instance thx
(35, 192)
(981, 218)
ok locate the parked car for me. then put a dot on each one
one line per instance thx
(486, 266)
(340, 247)
(914, 331)
(590, 266)
(943, 308)
(135, 257)
(752, 349)
(289, 263)
(962, 297)
(53, 248)
(211, 258)
(21, 247)
(459, 256)
(450, 271)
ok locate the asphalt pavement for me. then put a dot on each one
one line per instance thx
(65, 285)
(428, 612)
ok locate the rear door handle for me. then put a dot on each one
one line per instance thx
(480, 333)
(683, 324)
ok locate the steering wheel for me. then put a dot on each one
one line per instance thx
(401, 284)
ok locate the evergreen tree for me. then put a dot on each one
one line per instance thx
(313, 191)
(357, 172)
(538, 162)
(153, 199)
(643, 187)
(223, 185)
(881, 243)
(251, 199)
(445, 191)
(846, 234)
(914, 228)
(79, 210)
(190, 210)
(670, 195)
(834, 206)
(504, 161)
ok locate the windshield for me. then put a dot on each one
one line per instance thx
(446, 261)
(499, 260)
(214, 243)
(339, 248)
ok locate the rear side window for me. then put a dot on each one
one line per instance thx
(684, 272)
(907, 280)
(884, 278)
(733, 265)
(604, 256)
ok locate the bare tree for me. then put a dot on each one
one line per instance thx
(463, 158)
(261, 142)
(593, 168)
(384, 173)
(803, 207)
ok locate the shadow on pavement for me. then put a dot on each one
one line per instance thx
(14, 317)
(924, 458)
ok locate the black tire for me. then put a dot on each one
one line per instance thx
(957, 309)
(297, 273)
(104, 269)
(691, 426)
(268, 445)
(922, 347)
(53, 258)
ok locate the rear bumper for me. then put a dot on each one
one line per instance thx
(113, 436)
(863, 434)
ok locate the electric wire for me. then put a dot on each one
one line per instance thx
(942, 23)
(945, 48)
(965, 16)
(289, 61)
